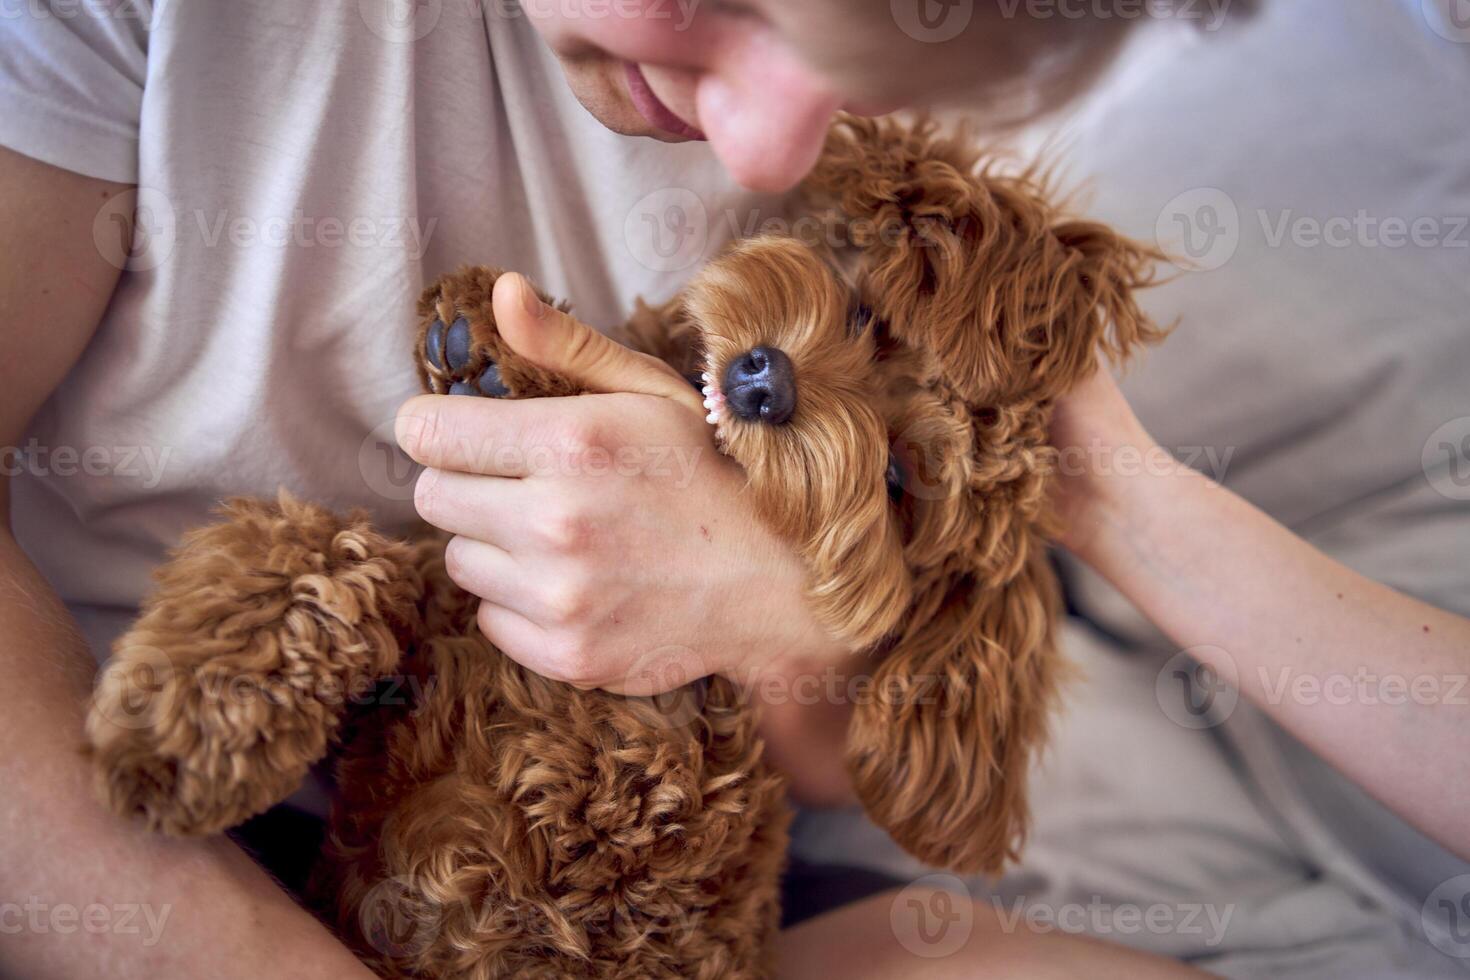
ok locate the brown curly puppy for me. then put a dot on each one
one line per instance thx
(889, 401)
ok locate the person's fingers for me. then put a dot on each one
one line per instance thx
(499, 438)
(494, 575)
(513, 634)
(559, 342)
(528, 644)
(484, 570)
(471, 435)
(485, 508)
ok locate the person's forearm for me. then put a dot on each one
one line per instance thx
(1372, 680)
(86, 894)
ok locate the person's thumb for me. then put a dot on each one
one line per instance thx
(558, 342)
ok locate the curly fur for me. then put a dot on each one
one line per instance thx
(498, 824)
(989, 305)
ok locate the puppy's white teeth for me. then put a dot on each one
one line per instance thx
(708, 391)
(711, 403)
(704, 376)
(712, 418)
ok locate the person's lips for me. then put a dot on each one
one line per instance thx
(652, 109)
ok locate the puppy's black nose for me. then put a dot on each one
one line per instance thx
(760, 386)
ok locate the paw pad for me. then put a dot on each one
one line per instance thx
(449, 351)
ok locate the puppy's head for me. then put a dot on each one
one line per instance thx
(893, 425)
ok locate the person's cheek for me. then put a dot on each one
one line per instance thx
(644, 31)
(766, 116)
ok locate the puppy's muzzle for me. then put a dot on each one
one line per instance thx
(760, 386)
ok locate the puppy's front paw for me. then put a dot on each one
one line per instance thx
(455, 366)
(460, 350)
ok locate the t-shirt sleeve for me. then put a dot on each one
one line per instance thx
(71, 83)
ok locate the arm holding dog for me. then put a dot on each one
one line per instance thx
(1216, 574)
(225, 916)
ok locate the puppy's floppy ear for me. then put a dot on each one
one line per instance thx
(1007, 303)
(979, 268)
(1096, 307)
(940, 750)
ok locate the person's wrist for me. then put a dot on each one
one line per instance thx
(1104, 495)
(772, 625)
(803, 647)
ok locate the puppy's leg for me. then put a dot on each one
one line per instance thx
(235, 679)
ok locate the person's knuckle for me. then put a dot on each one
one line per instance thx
(485, 619)
(424, 436)
(586, 436)
(568, 601)
(428, 492)
(569, 529)
(458, 564)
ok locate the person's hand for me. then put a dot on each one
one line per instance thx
(806, 709)
(610, 542)
(1099, 442)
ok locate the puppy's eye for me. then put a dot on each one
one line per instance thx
(894, 478)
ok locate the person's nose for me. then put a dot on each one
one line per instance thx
(766, 115)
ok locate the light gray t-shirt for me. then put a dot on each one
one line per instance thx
(304, 170)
